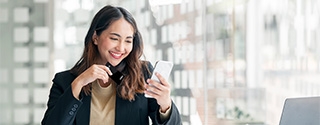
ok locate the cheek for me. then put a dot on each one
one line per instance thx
(129, 48)
(106, 44)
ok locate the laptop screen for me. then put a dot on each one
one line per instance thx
(301, 111)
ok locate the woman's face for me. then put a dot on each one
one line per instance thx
(115, 43)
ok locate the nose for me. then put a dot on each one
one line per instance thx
(121, 47)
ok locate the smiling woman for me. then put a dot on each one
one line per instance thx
(115, 43)
(86, 94)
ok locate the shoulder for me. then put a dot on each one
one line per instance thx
(147, 69)
(147, 65)
(65, 76)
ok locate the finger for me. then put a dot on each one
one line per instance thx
(99, 69)
(105, 78)
(155, 84)
(106, 69)
(152, 94)
(102, 74)
(146, 92)
(152, 88)
(162, 80)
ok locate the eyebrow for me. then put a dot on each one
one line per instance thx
(120, 35)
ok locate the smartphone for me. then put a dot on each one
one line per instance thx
(116, 76)
(163, 68)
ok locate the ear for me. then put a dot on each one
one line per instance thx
(95, 38)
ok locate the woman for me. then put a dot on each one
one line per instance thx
(86, 94)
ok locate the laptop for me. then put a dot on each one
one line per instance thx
(301, 111)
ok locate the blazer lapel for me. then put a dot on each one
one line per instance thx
(123, 112)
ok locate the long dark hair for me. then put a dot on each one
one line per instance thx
(133, 82)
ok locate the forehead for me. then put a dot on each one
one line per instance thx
(121, 27)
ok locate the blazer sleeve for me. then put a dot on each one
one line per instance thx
(62, 107)
(154, 113)
(174, 118)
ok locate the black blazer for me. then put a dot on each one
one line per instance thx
(64, 109)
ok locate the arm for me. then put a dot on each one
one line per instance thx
(62, 106)
(173, 119)
(154, 108)
(65, 94)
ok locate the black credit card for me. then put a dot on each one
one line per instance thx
(116, 76)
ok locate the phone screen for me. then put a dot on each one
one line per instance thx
(164, 69)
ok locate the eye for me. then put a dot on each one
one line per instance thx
(128, 41)
(112, 38)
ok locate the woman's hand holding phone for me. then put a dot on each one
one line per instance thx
(158, 86)
(160, 91)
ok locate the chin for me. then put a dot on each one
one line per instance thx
(115, 63)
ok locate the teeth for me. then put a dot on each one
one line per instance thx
(116, 54)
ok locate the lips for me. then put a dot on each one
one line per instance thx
(116, 55)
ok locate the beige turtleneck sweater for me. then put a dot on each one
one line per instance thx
(103, 101)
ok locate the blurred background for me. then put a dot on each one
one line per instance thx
(236, 61)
